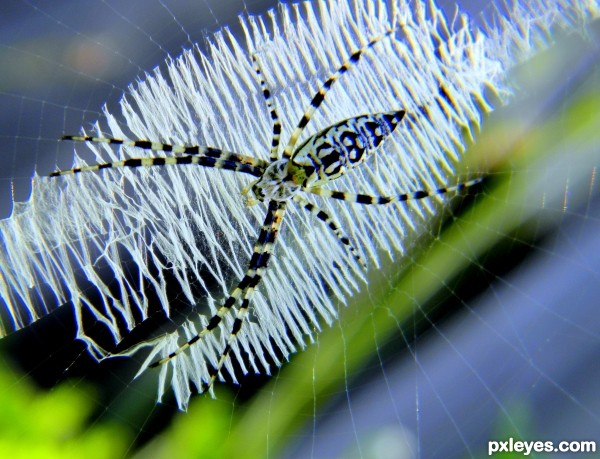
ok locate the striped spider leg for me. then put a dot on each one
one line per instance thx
(189, 154)
(290, 176)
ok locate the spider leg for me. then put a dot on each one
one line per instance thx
(272, 110)
(319, 97)
(163, 161)
(368, 199)
(332, 225)
(235, 329)
(194, 154)
(262, 251)
(245, 288)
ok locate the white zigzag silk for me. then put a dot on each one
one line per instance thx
(78, 232)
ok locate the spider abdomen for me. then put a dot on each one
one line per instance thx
(334, 150)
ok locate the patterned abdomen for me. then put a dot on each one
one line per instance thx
(331, 152)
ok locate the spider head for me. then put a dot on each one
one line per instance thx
(275, 184)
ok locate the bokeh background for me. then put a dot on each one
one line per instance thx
(489, 330)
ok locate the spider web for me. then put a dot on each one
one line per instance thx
(526, 344)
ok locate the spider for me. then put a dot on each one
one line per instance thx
(290, 176)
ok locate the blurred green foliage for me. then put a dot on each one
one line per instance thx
(38, 424)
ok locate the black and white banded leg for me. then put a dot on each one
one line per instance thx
(193, 154)
(319, 97)
(332, 225)
(272, 110)
(368, 199)
(245, 289)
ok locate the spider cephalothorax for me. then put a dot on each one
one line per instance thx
(275, 184)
